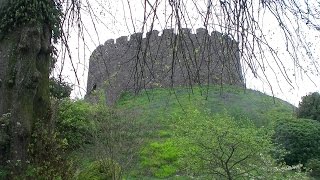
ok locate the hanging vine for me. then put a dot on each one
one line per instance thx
(18, 13)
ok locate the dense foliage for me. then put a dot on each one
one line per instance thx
(185, 140)
(59, 89)
(224, 147)
(18, 13)
(74, 122)
(48, 155)
(101, 135)
(301, 139)
(314, 166)
(194, 135)
(309, 107)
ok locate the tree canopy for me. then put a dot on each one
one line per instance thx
(309, 107)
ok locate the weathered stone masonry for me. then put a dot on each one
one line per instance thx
(169, 60)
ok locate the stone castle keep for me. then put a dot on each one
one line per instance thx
(169, 60)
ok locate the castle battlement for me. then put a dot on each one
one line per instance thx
(200, 32)
(170, 59)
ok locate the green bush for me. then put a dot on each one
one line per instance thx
(59, 89)
(309, 107)
(314, 165)
(74, 122)
(101, 170)
(300, 138)
(47, 152)
(224, 148)
(3, 173)
(110, 133)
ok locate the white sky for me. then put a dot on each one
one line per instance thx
(116, 21)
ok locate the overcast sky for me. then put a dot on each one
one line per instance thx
(117, 19)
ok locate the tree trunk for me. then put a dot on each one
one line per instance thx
(24, 91)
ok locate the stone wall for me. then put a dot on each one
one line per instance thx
(169, 60)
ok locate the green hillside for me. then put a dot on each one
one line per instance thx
(238, 102)
(168, 134)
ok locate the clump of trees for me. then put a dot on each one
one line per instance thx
(300, 138)
(309, 107)
(222, 147)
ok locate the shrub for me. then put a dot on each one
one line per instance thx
(3, 173)
(309, 107)
(300, 138)
(111, 133)
(100, 170)
(48, 155)
(222, 147)
(59, 89)
(74, 122)
(314, 165)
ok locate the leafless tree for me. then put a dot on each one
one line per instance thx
(244, 21)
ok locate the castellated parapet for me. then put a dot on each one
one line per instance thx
(169, 60)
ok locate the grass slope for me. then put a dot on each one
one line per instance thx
(152, 117)
(157, 104)
(159, 109)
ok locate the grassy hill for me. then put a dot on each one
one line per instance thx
(158, 133)
(238, 102)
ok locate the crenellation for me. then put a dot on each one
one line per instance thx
(109, 42)
(216, 36)
(202, 32)
(153, 34)
(115, 62)
(136, 37)
(227, 39)
(168, 32)
(186, 31)
(122, 40)
(202, 37)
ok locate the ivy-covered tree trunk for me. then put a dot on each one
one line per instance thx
(24, 90)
